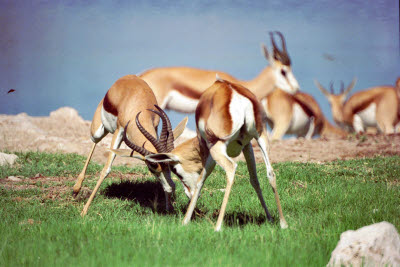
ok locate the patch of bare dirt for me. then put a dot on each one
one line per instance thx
(65, 131)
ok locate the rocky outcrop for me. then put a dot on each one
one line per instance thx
(7, 159)
(373, 245)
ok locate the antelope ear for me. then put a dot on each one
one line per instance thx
(180, 128)
(127, 153)
(162, 158)
(266, 54)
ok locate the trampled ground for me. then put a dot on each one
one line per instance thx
(65, 131)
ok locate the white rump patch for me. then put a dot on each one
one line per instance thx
(241, 110)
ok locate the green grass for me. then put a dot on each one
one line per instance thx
(127, 226)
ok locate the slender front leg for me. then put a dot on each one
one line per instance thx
(251, 166)
(207, 169)
(115, 143)
(81, 177)
(262, 142)
(218, 152)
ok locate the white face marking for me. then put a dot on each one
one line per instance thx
(188, 178)
(109, 121)
(179, 102)
(285, 80)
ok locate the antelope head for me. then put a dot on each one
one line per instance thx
(164, 144)
(281, 65)
(336, 100)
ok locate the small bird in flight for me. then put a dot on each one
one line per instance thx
(10, 91)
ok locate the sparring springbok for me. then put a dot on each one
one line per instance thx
(180, 88)
(297, 114)
(373, 107)
(228, 117)
(126, 98)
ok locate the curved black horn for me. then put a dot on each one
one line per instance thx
(281, 55)
(331, 88)
(157, 144)
(166, 136)
(341, 87)
(275, 49)
(140, 150)
(283, 41)
(169, 132)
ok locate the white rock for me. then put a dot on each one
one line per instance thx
(14, 179)
(374, 245)
(66, 113)
(7, 159)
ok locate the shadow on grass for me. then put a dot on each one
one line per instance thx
(241, 219)
(148, 194)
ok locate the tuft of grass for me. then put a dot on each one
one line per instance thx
(127, 224)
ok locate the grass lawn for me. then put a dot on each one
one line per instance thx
(127, 225)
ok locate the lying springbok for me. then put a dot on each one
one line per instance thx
(297, 114)
(228, 117)
(180, 88)
(373, 107)
(127, 97)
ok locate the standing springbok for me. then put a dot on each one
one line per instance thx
(297, 114)
(228, 117)
(126, 98)
(180, 88)
(373, 107)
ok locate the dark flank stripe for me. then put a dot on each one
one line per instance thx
(109, 107)
(187, 91)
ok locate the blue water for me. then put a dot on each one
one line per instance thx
(59, 53)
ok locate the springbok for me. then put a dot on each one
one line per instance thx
(223, 131)
(180, 88)
(373, 107)
(297, 114)
(126, 98)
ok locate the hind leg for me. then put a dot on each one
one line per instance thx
(263, 142)
(251, 167)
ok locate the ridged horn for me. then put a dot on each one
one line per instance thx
(167, 135)
(156, 143)
(140, 150)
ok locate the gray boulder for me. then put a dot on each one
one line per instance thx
(374, 245)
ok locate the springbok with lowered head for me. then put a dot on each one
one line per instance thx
(373, 107)
(228, 117)
(128, 97)
(297, 114)
(180, 88)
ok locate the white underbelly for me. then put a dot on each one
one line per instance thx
(109, 121)
(300, 121)
(177, 101)
(368, 116)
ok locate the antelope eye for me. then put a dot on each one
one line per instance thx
(152, 165)
(283, 72)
